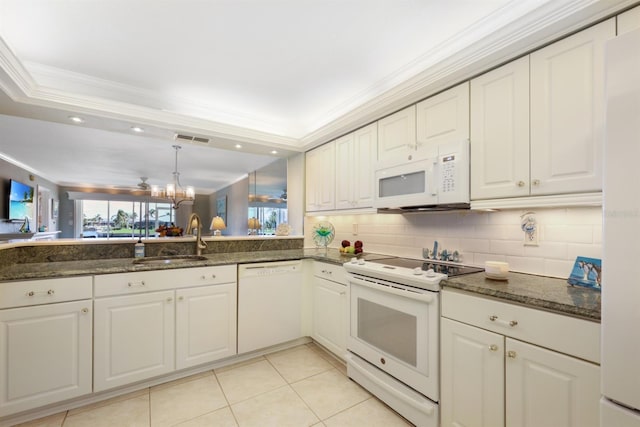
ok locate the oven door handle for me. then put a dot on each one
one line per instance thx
(392, 391)
(425, 298)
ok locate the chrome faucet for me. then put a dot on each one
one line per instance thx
(200, 244)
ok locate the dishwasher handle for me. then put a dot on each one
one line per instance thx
(268, 269)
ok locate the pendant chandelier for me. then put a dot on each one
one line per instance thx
(174, 192)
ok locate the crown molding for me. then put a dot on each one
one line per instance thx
(453, 61)
(541, 26)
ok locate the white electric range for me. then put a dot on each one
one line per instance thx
(394, 323)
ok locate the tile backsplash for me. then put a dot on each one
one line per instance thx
(563, 234)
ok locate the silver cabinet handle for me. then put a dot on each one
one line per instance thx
(511, 354)
(536, 182)
(493, 347)
(132, 284)
(34, 293)
(520, 184)
(203, 277)
(180, 298)
(510, 323)
(85, 310)
(169, 299)
(213, 276)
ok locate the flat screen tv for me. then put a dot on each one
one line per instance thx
(20, 201)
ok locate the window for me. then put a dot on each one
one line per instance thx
(114, 218)
(269, 218)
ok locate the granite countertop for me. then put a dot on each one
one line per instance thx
(532, 291)
(46, 270)
(546, 293)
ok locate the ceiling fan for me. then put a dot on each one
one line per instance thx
(143, 185)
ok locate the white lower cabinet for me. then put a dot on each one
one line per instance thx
(152, 323)
(491, 379)
(45, 354)
(134, 338)
(472, 375)
(205, 324)
(330, 307)
(546, 388)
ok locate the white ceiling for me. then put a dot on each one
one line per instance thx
(267, 74)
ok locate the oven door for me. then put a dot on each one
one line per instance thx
(397, 330)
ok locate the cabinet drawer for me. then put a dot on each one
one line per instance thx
(157, 280)
(569, 335)
(333, 272)
(35, 292)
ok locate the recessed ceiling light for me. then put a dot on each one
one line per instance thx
(137, 129)
(274, 152)
(238, 146)
(76, 119)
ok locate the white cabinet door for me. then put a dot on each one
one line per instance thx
(472, 376)
(45, 356)
(205, 324)
(397, 134)
(345, 189)
(330, 315)
(134, 338)
(355, 158)
(320, 178)
(629, 20)
(567, 112)
(365, 153)
(443, 118)
(545, 388)
(500, 132)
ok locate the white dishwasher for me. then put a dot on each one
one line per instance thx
(269, 304)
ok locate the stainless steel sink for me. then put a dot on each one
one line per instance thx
(172, 259)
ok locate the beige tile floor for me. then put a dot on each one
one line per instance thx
(302, 386)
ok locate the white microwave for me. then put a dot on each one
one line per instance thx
(438, 180)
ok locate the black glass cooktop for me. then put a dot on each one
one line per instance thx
(438, 267)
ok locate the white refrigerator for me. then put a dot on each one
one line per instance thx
(620, 403)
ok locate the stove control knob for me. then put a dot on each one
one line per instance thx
(361, 262)
(430, 273)
(417, 271)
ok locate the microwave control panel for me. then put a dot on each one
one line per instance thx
(448, 180)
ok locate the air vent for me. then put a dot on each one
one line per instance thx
(191, 138)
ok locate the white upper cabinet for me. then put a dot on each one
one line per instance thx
(420, 128)
(397, 134)
(567, 113)
(443, 118)
(629, 21)
(500, 132)
(355, 157)
(320, 178)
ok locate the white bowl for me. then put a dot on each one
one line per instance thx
(496, 270)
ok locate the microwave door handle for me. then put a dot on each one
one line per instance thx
(433, 181)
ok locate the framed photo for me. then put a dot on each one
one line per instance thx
(221, 207)
(586, 272)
